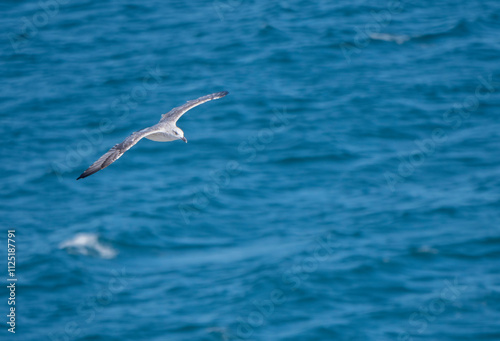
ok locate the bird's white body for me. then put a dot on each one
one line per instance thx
(161, 137)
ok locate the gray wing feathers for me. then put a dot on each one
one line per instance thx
(174, 114)
(117, 151)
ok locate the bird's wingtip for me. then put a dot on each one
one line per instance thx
(222, 93)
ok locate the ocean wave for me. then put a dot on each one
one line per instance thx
(460, 28)
(400, 39)
(88, 244)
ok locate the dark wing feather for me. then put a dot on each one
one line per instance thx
(174, 114)
(117, 151)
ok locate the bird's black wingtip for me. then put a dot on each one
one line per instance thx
(81, 176)
(223, 93)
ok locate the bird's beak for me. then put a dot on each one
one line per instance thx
(184, 139)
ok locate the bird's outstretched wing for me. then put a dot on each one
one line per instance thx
(114, 153)
(174, 114)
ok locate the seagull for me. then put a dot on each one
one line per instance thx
(164, 131)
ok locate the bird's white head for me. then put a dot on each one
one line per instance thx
(179, 134)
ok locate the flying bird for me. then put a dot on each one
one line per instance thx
(164, 131)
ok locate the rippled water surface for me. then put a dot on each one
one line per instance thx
(346, 189)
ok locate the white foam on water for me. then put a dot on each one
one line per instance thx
(88, 244)
(400, 39)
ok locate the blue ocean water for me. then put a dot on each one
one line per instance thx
(346, 189)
